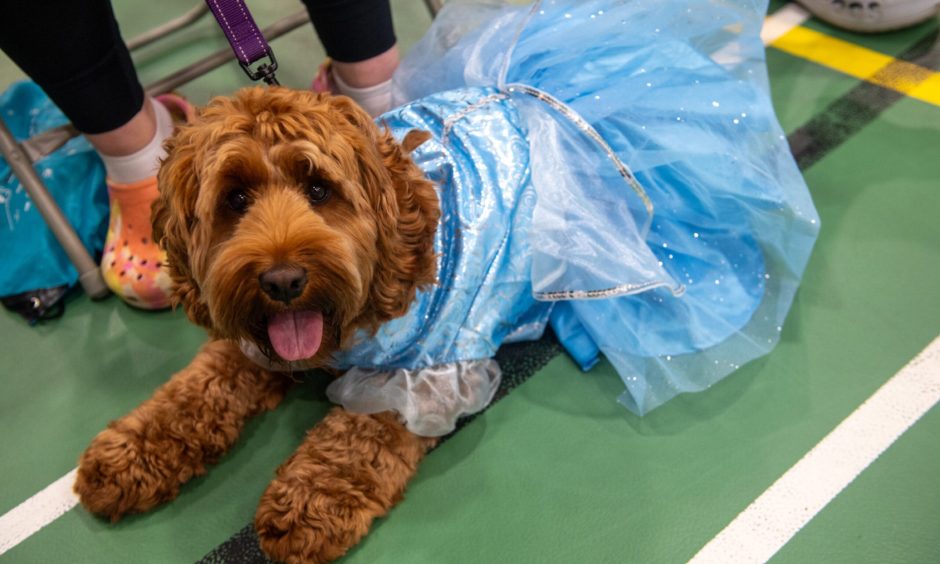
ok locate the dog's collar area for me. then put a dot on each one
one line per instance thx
(428, 400)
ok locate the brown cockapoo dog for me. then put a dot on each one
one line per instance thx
(278, 206)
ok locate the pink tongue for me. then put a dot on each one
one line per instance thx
(296, 335)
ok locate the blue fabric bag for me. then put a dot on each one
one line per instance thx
(75, 177)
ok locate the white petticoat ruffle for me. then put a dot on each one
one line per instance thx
(429, 400)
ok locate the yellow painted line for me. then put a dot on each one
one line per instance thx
(865, 64)
(928, 90)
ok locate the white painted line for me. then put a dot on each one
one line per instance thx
(775, 25)
(782, 21)
(38, 511)
(772, 519)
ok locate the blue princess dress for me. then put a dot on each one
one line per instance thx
(614, 169)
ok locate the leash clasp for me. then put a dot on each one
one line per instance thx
(264, 71)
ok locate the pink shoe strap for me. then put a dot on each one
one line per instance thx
(178, 106)
(323, 83)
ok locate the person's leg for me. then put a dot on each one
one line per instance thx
(74, 51)
(372, 71)
(359, 38)
(130, 137)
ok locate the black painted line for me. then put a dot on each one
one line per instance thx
(860, 106)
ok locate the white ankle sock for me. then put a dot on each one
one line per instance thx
(127, 169)
(373, 99)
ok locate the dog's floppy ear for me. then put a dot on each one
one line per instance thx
(407, 213)
(173, 219)
(414, 139)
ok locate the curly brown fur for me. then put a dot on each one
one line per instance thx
(367, 249)
(142, 459)
(350, 469)
(237, 201)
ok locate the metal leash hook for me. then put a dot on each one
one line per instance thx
(265, 71)
(246, 39)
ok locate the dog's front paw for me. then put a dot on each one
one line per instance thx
(311, 522)
(142, 459)
(349, 470)
(122, 472)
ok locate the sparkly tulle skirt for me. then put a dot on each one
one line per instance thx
(670, 225)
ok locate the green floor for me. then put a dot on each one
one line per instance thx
(557, 471)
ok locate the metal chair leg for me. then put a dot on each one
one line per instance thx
(192, 16)
(434, 6)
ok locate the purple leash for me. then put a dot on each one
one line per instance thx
(245, 38)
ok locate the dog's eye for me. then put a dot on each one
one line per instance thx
(317, 194)
(237, 200)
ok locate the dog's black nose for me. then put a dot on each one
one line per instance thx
(283, 282)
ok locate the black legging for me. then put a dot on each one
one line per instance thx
(73, 49)
(352, 30)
